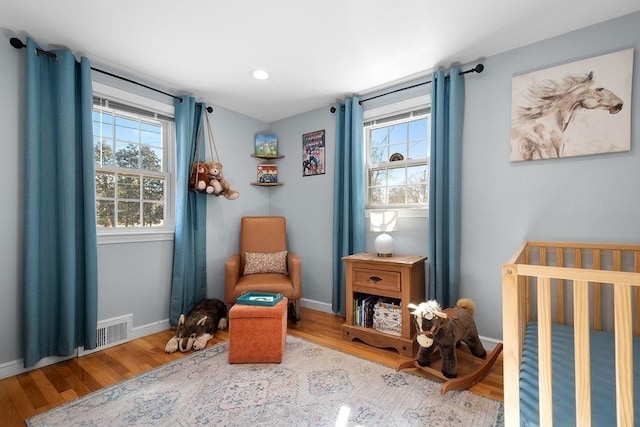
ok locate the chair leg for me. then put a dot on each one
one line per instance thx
(294, 313)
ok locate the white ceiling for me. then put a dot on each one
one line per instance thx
(315, 52)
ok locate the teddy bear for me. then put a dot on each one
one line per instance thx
(200, 177)
(219, 184)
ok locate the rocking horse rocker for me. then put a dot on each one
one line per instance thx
(441, 334)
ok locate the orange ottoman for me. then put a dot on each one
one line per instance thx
(257, 333)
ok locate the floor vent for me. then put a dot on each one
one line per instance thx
(110, 332)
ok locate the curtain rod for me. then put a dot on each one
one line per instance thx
(477, 69)
(18, 44)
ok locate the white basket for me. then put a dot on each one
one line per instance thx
(387, 318)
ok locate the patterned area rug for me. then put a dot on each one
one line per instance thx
(313, 386)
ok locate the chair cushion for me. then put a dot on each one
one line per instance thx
(257, 263)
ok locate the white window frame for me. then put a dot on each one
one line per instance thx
(145, 234)
(405, 106)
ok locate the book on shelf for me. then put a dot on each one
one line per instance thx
(363, 309)
(267, 174)
(266, 144)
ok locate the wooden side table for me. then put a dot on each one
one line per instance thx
(400, 278)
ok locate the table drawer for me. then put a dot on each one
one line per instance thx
(376, 279)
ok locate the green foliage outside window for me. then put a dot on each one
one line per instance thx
(130, 178)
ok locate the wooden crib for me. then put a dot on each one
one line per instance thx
(590, 287)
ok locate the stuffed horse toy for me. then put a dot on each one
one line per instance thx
(446, 328)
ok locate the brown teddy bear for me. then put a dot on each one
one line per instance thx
(199, 179)
(219, 184)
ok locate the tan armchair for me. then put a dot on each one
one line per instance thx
(261, 265)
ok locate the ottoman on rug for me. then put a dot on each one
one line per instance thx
(257, 334)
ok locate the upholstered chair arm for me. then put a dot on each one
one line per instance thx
(294, 267)
(231, 276)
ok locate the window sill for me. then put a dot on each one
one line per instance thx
(134, 237)
(402, 211)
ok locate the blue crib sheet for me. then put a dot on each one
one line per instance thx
(603, 401)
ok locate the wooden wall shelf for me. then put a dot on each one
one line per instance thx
(267, 184)
(279, 156)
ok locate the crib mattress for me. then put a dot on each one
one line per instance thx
(603, 401)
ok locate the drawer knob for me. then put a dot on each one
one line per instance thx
(375, 279)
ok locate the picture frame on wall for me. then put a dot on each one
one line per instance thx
(575, 109)
(267, 173)
(266, 144)
(313, 153)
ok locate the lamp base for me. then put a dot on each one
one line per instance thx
(384, 245)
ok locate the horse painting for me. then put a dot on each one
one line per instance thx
(538, 129)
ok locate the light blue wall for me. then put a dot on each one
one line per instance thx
(132, 277)
(307, 202)
(12, 63)
(591, 198)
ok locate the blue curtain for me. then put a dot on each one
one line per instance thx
(349, 193)
(189, 281)
(447, 113)
(60, 243)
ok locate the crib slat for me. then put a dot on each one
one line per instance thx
(527, 289)
(623, 354)
(597, 294)
(582, 353)
(636, 291)
(560, 288)
(512, 326)
(544, 351)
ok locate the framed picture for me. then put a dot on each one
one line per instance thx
(266, 144)
(575, 109)
(313, 159)
(267, 174)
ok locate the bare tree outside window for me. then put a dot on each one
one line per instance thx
(398, 160)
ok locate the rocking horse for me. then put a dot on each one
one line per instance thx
(441, 334)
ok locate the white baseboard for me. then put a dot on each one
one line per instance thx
(16, 367)
(316, 305)
(151, 328)
(489, 343)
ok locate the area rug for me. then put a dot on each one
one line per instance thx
(313, 386)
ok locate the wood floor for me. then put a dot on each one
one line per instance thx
(33, 392)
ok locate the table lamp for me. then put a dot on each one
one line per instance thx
(384, 222)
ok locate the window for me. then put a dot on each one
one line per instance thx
(133, 155)
(398, 159)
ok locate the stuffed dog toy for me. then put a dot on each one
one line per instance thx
(447, 329)
(195, 330)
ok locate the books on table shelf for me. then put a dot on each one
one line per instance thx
(363, 306)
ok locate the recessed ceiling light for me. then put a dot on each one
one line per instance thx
(260, 74)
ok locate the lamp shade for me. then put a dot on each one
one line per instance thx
(383, 221)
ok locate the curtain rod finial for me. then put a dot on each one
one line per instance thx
(332, 109)
(479, 68)
(17, 43)
(210, 109)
